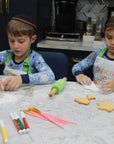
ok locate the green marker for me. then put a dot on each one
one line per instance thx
(19, 122)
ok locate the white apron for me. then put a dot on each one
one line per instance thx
(103, 69)
(12, 72)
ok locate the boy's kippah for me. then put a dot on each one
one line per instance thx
(24, 18)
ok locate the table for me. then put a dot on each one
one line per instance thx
(93, 126)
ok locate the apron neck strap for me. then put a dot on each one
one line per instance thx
(26, 66)
(102, 52)
(9, 57)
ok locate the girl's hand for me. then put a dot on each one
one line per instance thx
(13, 83)
(83, 79)
(107, 86)
(1, 85)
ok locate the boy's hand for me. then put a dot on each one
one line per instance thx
(107, 86)
(1, 85)
(83, 79)
(13, 83)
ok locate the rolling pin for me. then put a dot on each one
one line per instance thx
(59, 85)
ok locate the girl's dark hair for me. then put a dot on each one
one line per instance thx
(110, 23)
(18, 28)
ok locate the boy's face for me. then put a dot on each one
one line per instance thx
(20, 45)
(109, 39)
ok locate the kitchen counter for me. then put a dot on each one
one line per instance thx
(85, 45)
(94, 126)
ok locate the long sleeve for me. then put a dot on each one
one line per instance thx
(3, 55)
(78, 68)
(44, 73)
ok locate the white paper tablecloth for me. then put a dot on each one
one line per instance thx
(93, 126)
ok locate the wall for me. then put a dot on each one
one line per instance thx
(89, 8)
(93, 9)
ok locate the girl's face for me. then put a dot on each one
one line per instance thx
(109, 39)
(20, 45)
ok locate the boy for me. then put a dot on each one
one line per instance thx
(102, 61)
(25, 65)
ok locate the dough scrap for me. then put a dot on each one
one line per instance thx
(91, 87)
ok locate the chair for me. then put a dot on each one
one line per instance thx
(89, 72)
(1, 69)
(58, 62)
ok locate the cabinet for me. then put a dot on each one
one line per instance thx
(9, 8)
(39, 10)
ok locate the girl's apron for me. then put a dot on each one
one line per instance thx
(103, 69)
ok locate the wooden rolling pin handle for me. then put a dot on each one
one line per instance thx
(65, 78)
(52, 93)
